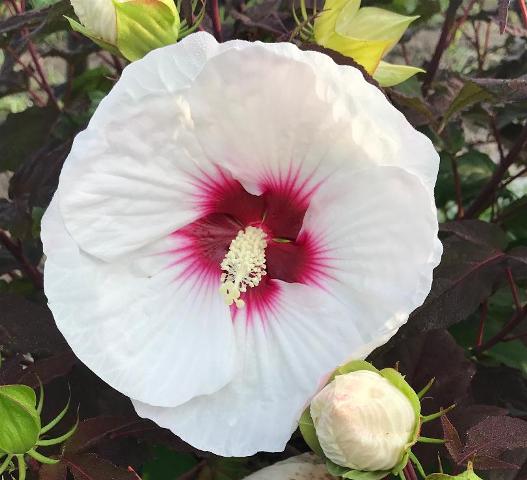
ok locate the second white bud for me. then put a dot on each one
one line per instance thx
(363, 422)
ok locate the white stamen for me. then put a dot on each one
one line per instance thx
(244, 265)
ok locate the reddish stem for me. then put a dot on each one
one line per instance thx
(410, 472)
(510, 338)
(216, 20)
(514, 290)
(35, 56)
(482, 321)
(486, 195)
(15, 248)
(523, 10)
(134, 473)
(449, 27)
(514, 321)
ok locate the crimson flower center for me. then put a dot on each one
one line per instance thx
(247, 241)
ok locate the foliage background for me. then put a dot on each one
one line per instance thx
(471, 333)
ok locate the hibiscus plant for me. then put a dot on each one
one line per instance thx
(262, 239)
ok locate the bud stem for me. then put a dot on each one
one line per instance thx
(418, 465)
(433, 416)
(430, 440)
(427, 387)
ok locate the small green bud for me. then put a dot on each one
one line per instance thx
(129, 27)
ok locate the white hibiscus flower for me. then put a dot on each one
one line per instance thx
(237, 220)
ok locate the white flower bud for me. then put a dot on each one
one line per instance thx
(363, 422)
(302, 467)
(99, 17)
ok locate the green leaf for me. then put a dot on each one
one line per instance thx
(466, 475)
(389, 75)
(469, 94)
(19, 420)
(167, 464)
(513, 219)
(145, 26)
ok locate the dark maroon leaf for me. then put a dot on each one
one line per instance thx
(495, 435)
(478, 232)
(506, 89)
(94, 430)
(452, 441)
(502, 386)
(36, 180)
(48, 369)
(91, 467)
(467, 275)
(53, 472)
(436, 355)
(17, 369)
(465, 416)
(26, 326)
(22, 134)
(490, 463)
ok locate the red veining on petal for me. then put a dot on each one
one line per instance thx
(292, 255)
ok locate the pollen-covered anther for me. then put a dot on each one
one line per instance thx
(244, 265)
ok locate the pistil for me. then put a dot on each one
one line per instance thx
(244, 265)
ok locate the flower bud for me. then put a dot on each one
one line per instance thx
(363, 422)
(129, 27)
(365, 34)
(302, 467)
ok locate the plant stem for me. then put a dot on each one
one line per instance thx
(449, 25)
(482, 321)
(523, 9)
(484, 199)
(216, 20)
(515, 320)
(514, 290)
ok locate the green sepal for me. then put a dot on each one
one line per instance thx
(388, 75)
(99, 41)
(353, 366)
(344, 472)
(5, 464)
(144, 26)
(468, 474)
(19, 420)
(307, 429)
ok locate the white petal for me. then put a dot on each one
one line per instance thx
(126, 185)
(143, 330)
(381, 249)
(327, 115)
(98, 16)
(163, 71)
(379, 232)
(130, 177)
